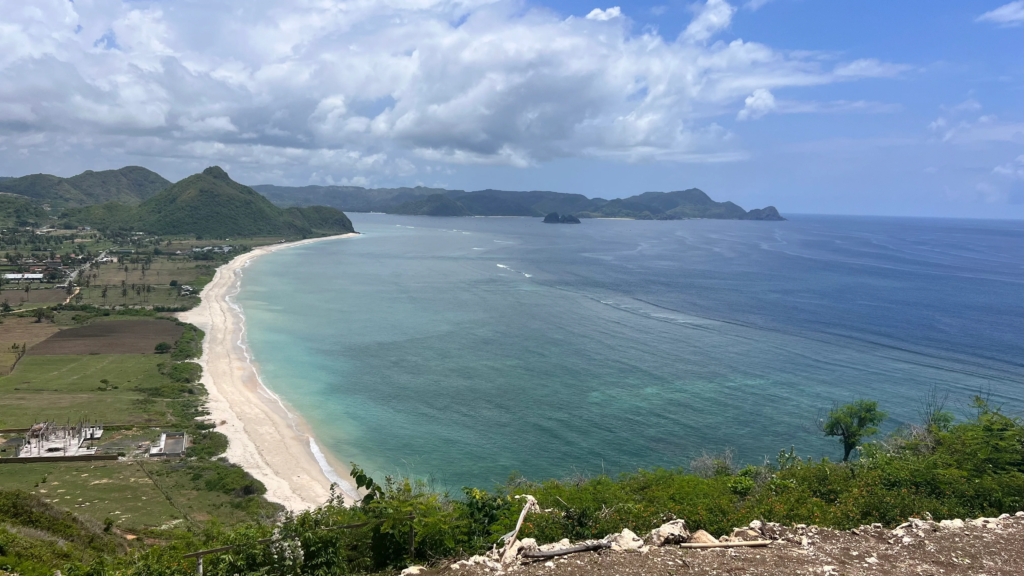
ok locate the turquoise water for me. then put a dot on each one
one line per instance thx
(463, 349)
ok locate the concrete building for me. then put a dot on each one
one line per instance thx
(172, 445)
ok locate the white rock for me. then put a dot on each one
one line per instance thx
(1020, 514)
(673, 532)
(954, 524)
(549, 564)
(625, 540)
(1004, 516)
(756, 525)
(560, 545)
(412, 570)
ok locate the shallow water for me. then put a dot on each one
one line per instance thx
(467, 348)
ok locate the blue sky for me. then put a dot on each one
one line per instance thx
(819, 106)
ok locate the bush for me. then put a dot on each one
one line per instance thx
(162, 348)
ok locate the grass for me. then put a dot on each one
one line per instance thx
(20, 331)
(119, 490)
(68, 387)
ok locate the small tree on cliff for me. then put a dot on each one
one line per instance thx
(851, 423)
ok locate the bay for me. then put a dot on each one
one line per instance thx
(463, 349)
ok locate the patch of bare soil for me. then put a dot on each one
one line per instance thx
(992, 546)
(113, 337)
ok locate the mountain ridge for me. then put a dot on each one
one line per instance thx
(128, 185)
(675, 205)
(212, 205)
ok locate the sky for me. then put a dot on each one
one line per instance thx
(909, 108)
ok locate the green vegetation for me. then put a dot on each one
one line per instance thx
(128, 185)
(969, 468)
(691, 203)
(19, 211)
(433, 205)
(851, 423)
(210, 205)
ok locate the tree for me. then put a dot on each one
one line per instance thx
(163, 348)
(40, 313)
(851, 423)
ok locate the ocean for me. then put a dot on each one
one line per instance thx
(462, 350)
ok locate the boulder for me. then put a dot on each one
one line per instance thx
(413, 570)
(625, 540)
(744, 535)
(702, 537)
(756, 525)
(673, 532)
(954, 524)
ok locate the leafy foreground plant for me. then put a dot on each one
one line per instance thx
(965, 469)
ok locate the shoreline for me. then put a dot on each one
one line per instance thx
(265, 438)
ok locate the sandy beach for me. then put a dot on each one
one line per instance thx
(264, 436)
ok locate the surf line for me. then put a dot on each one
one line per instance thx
(242, 342)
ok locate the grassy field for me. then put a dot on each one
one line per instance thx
(70, 387)
(38, 294)
(119, 490)
(111, 337)
(20, 331)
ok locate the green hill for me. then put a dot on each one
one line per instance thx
(211, 205)
(128, 185)
(433, 205)
(692, 203)
(20, 211)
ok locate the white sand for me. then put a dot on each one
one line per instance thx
(264, 437)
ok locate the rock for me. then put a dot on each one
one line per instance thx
(1019, 514)
(724, 538)
(673, 532)
(412, 570)
(528, 544)
(625, 540)
(756, 525)
(476, 561)
(954, 524)
(744, 534)
(701, 537)
(560, 545)
(1004, 516)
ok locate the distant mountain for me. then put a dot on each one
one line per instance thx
(433, 205)
(347, 198)
(692, 203)
(128, 185)
(20, 211)
(211, 205)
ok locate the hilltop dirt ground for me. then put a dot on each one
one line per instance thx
(980, 547)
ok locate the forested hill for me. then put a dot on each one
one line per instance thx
(692, 203)
(128, 185)
(212, 205)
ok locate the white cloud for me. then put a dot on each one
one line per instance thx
(870, 68)
(361, 88)
(609, 14)
(757, 104)
(1013, 170)
(713, 17)
(1011, 14)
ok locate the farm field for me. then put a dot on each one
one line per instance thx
(110, 337)
(60, 388)
(18, 298)
(20, 332)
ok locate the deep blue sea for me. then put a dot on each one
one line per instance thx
(463, 349)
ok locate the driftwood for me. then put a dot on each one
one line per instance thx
(565, 551)
(510, 538)
(752, 543)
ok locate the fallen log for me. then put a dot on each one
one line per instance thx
(536, 554)
(750, 544)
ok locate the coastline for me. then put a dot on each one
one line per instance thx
(264, 437)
